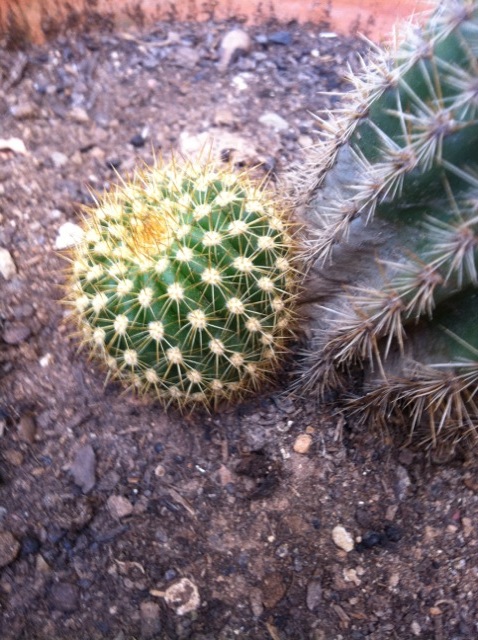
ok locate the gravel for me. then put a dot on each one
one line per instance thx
(221, 500)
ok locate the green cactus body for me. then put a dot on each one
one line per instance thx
(184, 283)
(392, 194)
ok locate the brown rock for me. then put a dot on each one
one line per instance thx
(150, 620)
(16, 333)
(119, 507)
(302, 443)
(9, 548)
(79, 115)
(26, 429)
(274, 589)
(23, 111)
(83, 468)
(13, 457)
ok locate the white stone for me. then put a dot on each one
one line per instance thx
(46, 360)
(240, 81)
(13, 144)
(69, 234)
(274, 121)
(183, 596)
(7, 266)
(79, 115)
(342, 538)
(59, 159)
(234, 43)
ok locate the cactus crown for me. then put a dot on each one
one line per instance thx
(185, 281)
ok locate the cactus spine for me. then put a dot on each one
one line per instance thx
(184, 283)
(392, 196)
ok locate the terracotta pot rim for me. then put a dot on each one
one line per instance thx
(37, 20)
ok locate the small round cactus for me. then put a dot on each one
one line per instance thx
(184, 283)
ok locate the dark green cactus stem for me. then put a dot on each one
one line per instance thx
(435, 392)
(392, 195)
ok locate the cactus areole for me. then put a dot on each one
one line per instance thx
(391, 196)
(184, 283)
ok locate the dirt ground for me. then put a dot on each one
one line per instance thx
(274, 520)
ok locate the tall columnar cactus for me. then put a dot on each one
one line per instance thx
(184, 283)
(391, 193)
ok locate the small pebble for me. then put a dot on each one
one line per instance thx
(350, 575)
(59, 159)
(119, 507)
(342, 538)
(234, 44)
(186, 57)
(468, 526)
(182, 596)
(137, 140)
(45, 360)
(416, 628)
(41, 565)
(83, 468)
(403, 482)
(7, 266)
(14, 457)
(23, 111)
(255, 598)
(314, 595)
(224, 117)
(280, 37)
(16, 333)
(150, 620)
(394, 580)
(170, 574)
(79, 115)
(9, 548)
(30, 545)
(302, 443)
(64, 597)
(68, 235)
(435, 611)
(159, 471)
(13, 144)
(273, 588)
(274, 121)
(24, 310)
(26, 429)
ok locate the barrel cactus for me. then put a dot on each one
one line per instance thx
(184, 283)
(391, 197)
